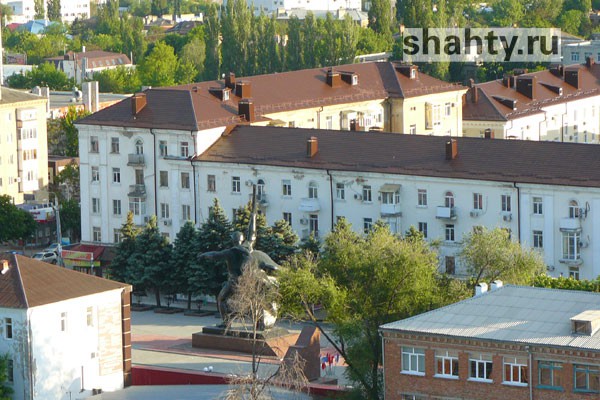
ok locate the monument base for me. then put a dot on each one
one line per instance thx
(273, 342)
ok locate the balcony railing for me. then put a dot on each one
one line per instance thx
(136, 159)
(570, 225)
(309, 205)
(138, 190)
(446, 212)
(390, 210)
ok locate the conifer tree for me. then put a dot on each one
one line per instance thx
(184, 259)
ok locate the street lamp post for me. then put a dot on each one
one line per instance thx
(58, 230)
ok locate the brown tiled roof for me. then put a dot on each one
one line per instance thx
(30, 283)
(174, 107)
(95, 58)
(489, 109)
(419, 155)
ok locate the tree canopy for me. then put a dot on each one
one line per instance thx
(15, 224)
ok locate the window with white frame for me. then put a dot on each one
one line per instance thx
(340, 191)
(8, 328)
(312, 191)
(515, 370)
(574, 210)
(570, 245)
(413, 360)
(63, 322)
(137, 205)
(538, 205)
(574, 273)
(116, 175)
(367, 225)
(506, 203)
(162, 146)
(95, 205)
(412, 129)
(117, 235)
(95, 174)
(449, 233)
(480, 367)
(286, 188)
(575, 56)
(313, 224)
(587, 378)
(538, 239)
(114, 145)
(94, 144)
(185, 180)
(139, 147)
(186, 212)
(164, 210)
(449, 200)
(367, 194)
(446, 364)
(184, 149)
(329, 122)
(211, 183)
(390, 197)
(260, 189)
(96, 234)
(423, 229)
(116, 207)
(287, 217)
(422, 197)
(236, 184)
(549, 374)
(477, 201)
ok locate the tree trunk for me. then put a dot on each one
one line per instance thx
(157, 293)
(189, 301)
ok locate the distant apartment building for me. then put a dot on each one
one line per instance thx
(559, 104)
(576, 53)
(512, 342)
(67, 334)
(24, 10)
(82, 66)
(23, 144)
(327, 5)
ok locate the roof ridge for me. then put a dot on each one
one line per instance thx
(21, 285)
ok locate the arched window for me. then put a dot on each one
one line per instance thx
(449, 199)
(574, 210)
(260, 189)
(139, 147)
(312, 190)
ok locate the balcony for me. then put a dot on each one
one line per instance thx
(136, 159)
(390, 210)
(446, 213)
(570, 225)
(309, 205)
(261, 200)
(137, 190)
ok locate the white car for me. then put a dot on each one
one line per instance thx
(52, 248)
(46, 256)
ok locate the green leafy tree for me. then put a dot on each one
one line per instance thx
(310, 47)
(212, 25)
(70, 219)
(71, 133)
(185, 73)
(348, 40)
(118, 80)
(54, 10)
(570, 21)
(507, 13)
(159, 7)
(236, 23)
(45, 74)
(194, 53)
(295, 56)
(380, 17)
(370, 42)
(159, 67)
(184, 260)
(120, 267)
(40, 11)
(491, 254)
(6, 12)
(15, 224)
(149, 264)
(6, 389)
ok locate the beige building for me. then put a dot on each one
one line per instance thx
(23, 144)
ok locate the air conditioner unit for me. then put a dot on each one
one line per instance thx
(474, 213)
(167, 222)
(583, 244)
(303, 221)
(358, 197)
(507, 217)
(249, 182)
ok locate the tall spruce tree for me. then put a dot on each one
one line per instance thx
(54, 10)
(119, 268)
(212, 40)
(294, 48)
(184, 260)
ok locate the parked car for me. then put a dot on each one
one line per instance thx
(46, 256)
(53, 247)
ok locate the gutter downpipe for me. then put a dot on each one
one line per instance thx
(319, 117)
(330, 195)
(194, 179)
(154, 161)
(383, 358)
(518, 211)
(529, 372)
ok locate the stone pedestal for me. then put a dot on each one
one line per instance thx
(273, 342)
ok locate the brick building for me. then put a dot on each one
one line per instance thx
(512, 342)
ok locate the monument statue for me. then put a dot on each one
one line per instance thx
(238, 257)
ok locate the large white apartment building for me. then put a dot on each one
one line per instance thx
(559, 104)
(328, 5)
(24, 10)
(137, 154)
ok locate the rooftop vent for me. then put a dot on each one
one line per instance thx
(350, 78)
(5, 267)
(586, 323)
(556, 89)
(138, 102)
(333, 78)
(510, 103)
(312, 146)
(481, 288)
(408, 70)
(556, 70)
(246, 110)
(527, 85)
(473, 91)
(573, 78)
(220, 93)
(230, 80)
(243, 89)
(451, 149)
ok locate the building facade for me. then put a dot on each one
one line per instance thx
(23, 144)
(328, 5)
(67, 334)
(82, 66)
(24, 10)
(560, 104)
(511, 343)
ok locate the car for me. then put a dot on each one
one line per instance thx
(46, 256)
(51, 248)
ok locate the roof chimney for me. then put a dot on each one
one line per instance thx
(138, 102)
(333, 78)
(556, 70)
(497, 284)
(243, 89)
(451, 149)
(312, 147)
(473, 92)
(246, 109)
(230, 80)
(527, 85)
(481, 288)
(5, 267)
(573, 78)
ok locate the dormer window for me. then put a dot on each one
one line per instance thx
(586, 323)
(574, 211)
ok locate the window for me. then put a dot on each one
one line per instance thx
(116, 207)
(538, 206)
(114, 145)
(139, 176)
(90, 316)
(186, 212)
(286, 187)
(164, 210)
(449, 200)
(423, 229)
(139, 147)
(340, 191)
(117, 235)
(413, 360)
(95, 205)
(549, 374)
(313, 224)
(574, 209)
(538, 239)
(575, 56)
(312, 191)
(422, 197)
(211, 183)
(450, 263)
(63, 322)
(449, 233)
(184, 149)
(93, 144)
(116, 175)
(96, 234)
(8, 328)
(235, 184)
(446, 364)
(164, 179)
(329, 122)
(95, 174)
(574, 273)
(287, 217)
(506, 207)
(367, 194)
(185, 180)
(570, 245)
(162, 145)
(448, 109)
(515, 371)
(390, 197)
(260, 189)
(137, 206)
(477, 201)
(480, 367)
(367, 225)
(587, 378)
(412, 129)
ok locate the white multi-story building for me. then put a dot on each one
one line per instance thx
(560, 104)
(24, 10)
(67, 334)
(82, 66)
(137, 155)
(329, 5)
(546, 194)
